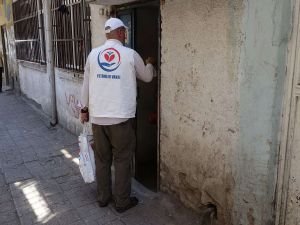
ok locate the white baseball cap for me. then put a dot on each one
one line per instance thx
(112, 24)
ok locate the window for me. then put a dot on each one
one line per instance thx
(29, 30)
(71, 33)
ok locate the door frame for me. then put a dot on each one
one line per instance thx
(131, 6)
(288, 118)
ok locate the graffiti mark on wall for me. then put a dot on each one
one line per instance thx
(73, 104)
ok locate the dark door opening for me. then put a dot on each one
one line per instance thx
(143, 36)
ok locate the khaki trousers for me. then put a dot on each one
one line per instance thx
(114, 143)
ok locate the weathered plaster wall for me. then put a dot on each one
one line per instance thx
(35, 85)
(266, 29)
(97, 24)
(223, 67)
(68, 89)
(200, 100)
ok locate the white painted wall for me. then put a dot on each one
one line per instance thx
(34, 84)
(68, 89)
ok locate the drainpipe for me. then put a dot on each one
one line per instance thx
(50, 58)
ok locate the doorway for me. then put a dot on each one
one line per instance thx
(143, 21)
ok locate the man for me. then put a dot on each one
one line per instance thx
(109, 100)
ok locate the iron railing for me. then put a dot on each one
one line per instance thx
(29, 30)
(71, 33)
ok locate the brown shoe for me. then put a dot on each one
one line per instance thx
(104, 204)
(133, 202)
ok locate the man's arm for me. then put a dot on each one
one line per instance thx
(85, 93)
(85, 87)
(144, 73)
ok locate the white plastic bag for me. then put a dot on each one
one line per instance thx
(86, 156)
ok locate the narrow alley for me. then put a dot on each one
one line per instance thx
(217, 127)
(40, 181)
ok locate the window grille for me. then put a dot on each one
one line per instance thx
(71, 33)
(29, 30)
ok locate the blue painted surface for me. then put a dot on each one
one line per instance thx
(262, 71)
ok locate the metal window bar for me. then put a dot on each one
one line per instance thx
(87, 30)
(71, 33)
(41, 31)
(29, 30)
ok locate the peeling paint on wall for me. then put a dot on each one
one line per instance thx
(199, 98)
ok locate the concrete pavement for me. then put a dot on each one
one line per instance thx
(40, 181)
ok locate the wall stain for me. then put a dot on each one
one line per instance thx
(179, 90)
(188, 46)
(250, 217)
(207, 127)
(231, 130)
(187, 118)
(73, 104)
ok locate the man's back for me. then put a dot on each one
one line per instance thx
(112, 81)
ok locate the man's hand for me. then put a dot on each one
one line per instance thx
(84, 115)
(150, 60)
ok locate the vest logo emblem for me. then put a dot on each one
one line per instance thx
(109, 59)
